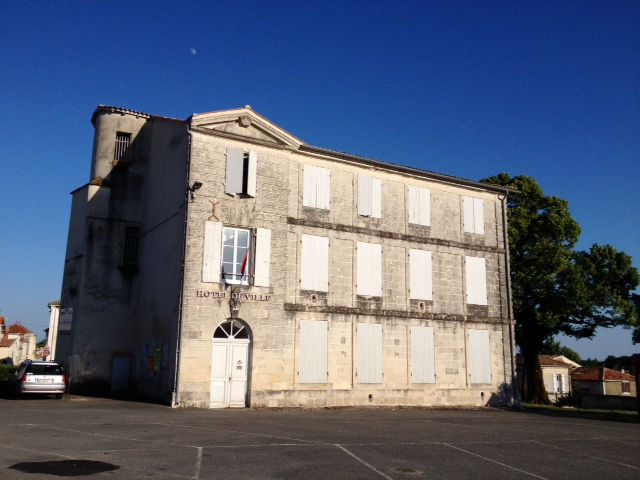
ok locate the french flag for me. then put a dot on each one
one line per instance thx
(243, 267)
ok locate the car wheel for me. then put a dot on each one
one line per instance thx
(58, 396)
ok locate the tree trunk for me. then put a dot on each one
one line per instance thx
(534, 389)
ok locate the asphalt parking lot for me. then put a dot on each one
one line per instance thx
(98, 438)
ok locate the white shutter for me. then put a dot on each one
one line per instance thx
(369, 269)
(478, 216)
(262, 257)
(315, 263)
(252, 173)
(425, 207)
(419, 206)
(476, 280)
(467, 206)
(313, 351)
(564, 383)
(414, 205)
(420, 275)
(211, 255)
(423, 355)
(316, 188)
(556, 386)
(309, 191)
(369, 353)
(364, 195)
(376, 198)
(322, 264)
(235, 164)
(480, 356)
(308, 262)
(324, 188)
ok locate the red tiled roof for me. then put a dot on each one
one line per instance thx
(595, 374)
(551, 361)
(2, 320)
(6, 342)
(19, 329)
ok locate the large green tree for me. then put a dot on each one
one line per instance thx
(557, 289)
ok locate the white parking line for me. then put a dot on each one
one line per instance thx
(576, 452)
(363, 462)
(494, 461)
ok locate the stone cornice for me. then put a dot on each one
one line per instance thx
(392, 235)
(294, 307)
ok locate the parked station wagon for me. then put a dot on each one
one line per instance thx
(38, 377)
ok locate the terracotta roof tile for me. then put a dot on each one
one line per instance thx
(595, 374)
(19, 329)
(551, 361)
(6, 342)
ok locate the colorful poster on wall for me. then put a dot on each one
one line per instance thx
(154, 356)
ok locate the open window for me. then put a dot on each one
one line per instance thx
(242, 169)
(236, 255)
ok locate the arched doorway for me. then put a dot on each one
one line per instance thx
(230, 365)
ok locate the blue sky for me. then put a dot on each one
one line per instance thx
(549, 89)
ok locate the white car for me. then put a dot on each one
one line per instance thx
(38, 377)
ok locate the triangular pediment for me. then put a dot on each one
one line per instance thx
(244, 123)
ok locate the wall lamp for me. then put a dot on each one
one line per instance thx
(194, 187)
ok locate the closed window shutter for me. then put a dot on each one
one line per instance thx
(313, 351)
(252, 174)
(324, 188)
(364, 195)
(211, 255)
(480, 356)
(370, 353)
(322, 264)
(235, 164)
(376, 198)
(315, 263)
(467, 206)
(476, 280)
(262, 257)
(563, 384)
(478, 216)
(419, 206)
(420, 275)
(369, 269)
(414, 205)
(425, 207)
(422, 355)
(309, 191)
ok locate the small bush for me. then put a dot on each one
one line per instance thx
(6, 371)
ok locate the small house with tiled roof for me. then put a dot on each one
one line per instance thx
(603, 381)
(17, 342)
(555, 373)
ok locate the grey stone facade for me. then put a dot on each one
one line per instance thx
(162, 314)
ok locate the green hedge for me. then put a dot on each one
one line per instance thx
(6, 371)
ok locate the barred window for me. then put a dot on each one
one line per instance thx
(130, 253)
(123, 142)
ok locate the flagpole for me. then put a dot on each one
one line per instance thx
(243, 270)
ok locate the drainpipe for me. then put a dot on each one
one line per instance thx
(516, 392)
(175, 401)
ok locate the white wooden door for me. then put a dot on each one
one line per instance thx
(229, 367)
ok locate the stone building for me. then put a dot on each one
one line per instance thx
(17, 343)
(219, 261)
